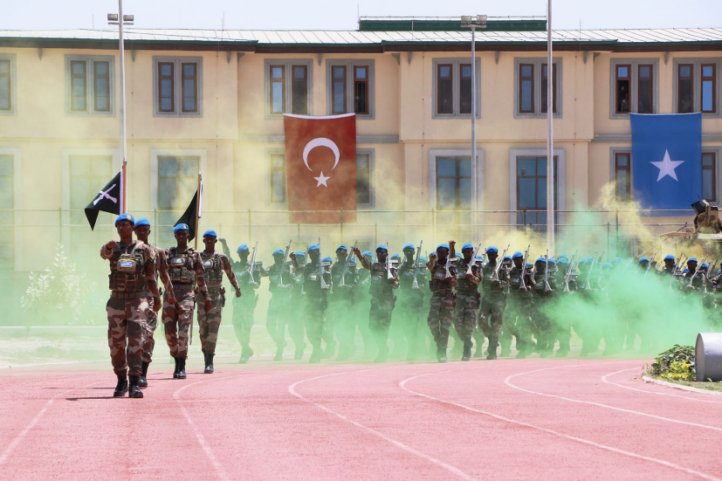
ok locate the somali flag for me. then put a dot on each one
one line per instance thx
(667, 160)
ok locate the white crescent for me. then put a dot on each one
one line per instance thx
(321, 142)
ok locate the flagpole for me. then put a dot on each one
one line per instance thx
(122, 188)
(551, 240)
(198, 208)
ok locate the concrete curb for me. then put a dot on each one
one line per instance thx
(652, 380)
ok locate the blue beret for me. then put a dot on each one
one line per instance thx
(517, 255)
(506, 258)
(492, 250)
(408, 246)
(608, 265)
(122, 217)
(422, 258)
(210, 233)
(669, 257)
(382, 247)
(141, 222)
(551, 260)
(396, 256)
(443, 246)
(352, 260)
(278, 252)
(300, 254)
(314, 247)
(704, 265)
(563, 260)
(691, 259)
(529, 264)
(467, 246)
(242, 248)
(367, 253)
(180, 227)
(540, 260)
(342, 247)
(643, 259)
(327, 259)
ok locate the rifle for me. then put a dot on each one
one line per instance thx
(285, 254)
(447, 266)
(320, 267)
(500, 261)
(568, 274)
(469, 271)
(389, 265)
(415, 283)
(345, 267)
(649, 265)
(522, 283)
(588, 282)
(691, 279)
(678, 264)
(547, 287)
(252, 264)
(712, 266)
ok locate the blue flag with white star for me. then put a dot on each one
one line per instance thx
(666, 160)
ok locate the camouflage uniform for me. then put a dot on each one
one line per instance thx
(186, 270)
(382, 306)
(316, 303)
(280, 286)
(441, 307)
(467, 305)
(209, 322)
(517, 322)
(152, 321)
(131, 267)
(567, 282)
(410, 310)
(493, 302)
(342, 303)
(244, 306)
(296, 321)
(542, 324)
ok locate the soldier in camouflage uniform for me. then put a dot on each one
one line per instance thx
(342, 301)
(384, 280)
(517, 322)
(467, 299)
(249, 278)
(186, 272)
(413, 278)
(296, 321)
(441, 307)
(494, 290)
(209, 321)
(317, 284)
(542, 324)
(132, 282)
(142, 232)
(566, 279)
(280, 286)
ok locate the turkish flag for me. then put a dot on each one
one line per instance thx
(321, 168)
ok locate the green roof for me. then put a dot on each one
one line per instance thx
(444, 24)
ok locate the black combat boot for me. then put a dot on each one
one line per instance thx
(177, 367)
(467, 351)
(181, 368)
(134, 391)
(493, 344)
(143, 381)
(122, 387)
(209, 363)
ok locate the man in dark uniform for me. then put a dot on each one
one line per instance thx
(467, 298)
(132, 282)
(209, 321)
(441, 307)
(516, 316)
(542, 324)
(317, 284)
(384, 279)
(142, 232)
(342, 301)
(296, 321)
(493, 302)
(279, 285)
(186, 272)
(413, 278)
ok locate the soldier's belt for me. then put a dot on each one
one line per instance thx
(128, 295)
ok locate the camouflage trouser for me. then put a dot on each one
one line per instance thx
(315, 310)
(542, 327)
(341, 320)
(296, 324)
(491, 319)
(467, 306)
(380, 314)
(277, 318)
(210, 322)
(177, 321)
(126, 333)
(150, 327)
(441, 310)
(243, 308)
(517, 324)
(408, 319)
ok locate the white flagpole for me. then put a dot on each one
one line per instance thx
(199, 206)
(123, 139)
(551, 240)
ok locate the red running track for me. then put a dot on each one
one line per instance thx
(508, 419)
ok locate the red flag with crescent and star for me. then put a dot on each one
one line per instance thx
(321, 168)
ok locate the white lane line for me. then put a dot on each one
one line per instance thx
(508, 382)
(605, 379)
(294, 392)
(217, 466)
(577, 439)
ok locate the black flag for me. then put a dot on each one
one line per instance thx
(107, 200)
(190, 217)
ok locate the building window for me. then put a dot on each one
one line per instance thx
(531, 189)
(531, 91)
(288, 86)
(6, 84)
(278, 179)
(623, 175)
(177, 182)
(709, 175)
(452, 86)
(177, 86)
(453, 182)
(351, 87)
(7, 205)
(89, 84)
(363, 179)
(634, 86)
(696, 85)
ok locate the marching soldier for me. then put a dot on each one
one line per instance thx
(296, 322)
(494, 289)
(467, 298)
(343, 301)
(542, 324)
(142, 232)
(566, 279)
(516, 316)
(441, 308)
(209, 320)
(413, 278)
(279, 285)
(186, 273)
(384, 279)
(132, 282)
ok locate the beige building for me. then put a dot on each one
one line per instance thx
(213, 101)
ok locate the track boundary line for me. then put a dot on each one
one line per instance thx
(646, 379)
(508, 382)
(294, 392)
(588, 442)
